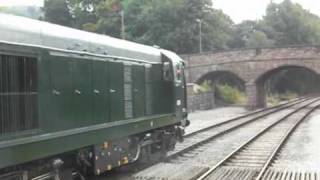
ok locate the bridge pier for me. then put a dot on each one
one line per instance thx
(256, 95)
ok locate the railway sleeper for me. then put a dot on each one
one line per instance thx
(281, 174)
(245, 165)
(227, 173)
(251, 161)
(250, 157)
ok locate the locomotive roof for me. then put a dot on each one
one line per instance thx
(16, 29)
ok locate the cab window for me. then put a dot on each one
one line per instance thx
(167, 71)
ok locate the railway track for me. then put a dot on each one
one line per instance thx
(194, 139)
(198, 140)
(253, 159)
(205, 135)
(250, 114)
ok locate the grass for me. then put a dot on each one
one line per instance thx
(276, 98)
(203, 88)
(230, 95)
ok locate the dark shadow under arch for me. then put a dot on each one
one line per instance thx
(228, 88)
(223, 77)
(299, 80)
(269, 73)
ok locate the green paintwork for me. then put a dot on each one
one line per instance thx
(116, 91)
(81, 94)
(101, 106)
(138, 76)
(69, 140)
(60, 96)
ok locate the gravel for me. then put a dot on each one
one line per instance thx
(202, 119)
(301, 152)
(199, 120)
(209, 154)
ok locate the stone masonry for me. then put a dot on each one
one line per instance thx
(199, 101)
(253, 66)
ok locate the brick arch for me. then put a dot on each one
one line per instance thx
(196, 73)
(256, 89)
(265, 75)
(275, 67)
(220, 72)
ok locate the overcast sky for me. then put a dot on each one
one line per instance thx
(21, 2)
(238, 10)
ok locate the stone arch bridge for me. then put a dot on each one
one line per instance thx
(252, 66)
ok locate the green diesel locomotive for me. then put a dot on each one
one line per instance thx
(74, 102)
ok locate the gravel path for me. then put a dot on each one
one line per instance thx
(202, 119)
(302, 151)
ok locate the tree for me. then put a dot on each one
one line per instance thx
(172, 24)
(109, 17)
(290, 24)
(241, 33)
(284, 24)
(259, 39)
(57, 11)
(84, 14)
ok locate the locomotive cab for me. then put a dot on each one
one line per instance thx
(173, 70)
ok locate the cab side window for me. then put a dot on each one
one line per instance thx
(167, 71)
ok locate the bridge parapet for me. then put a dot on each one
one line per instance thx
(257, 54)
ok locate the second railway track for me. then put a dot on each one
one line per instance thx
(204, 135)
(181, 168)
(252, 159)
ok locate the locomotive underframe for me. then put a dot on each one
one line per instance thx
(100, 158)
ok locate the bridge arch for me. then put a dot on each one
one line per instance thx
(253, 65)
(218, 79)
(221, 75)
(266, 72)
(258, 98)
(197, 73)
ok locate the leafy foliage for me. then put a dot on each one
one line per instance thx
(259, 39)
(275, 99)
(205, 87)
(286, 23)
(230, 95)
(289, 23)
(170, 24)
(56, 11)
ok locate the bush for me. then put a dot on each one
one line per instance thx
(288, 96)
(230, 94)
(203, 88)
(206, 87)
(273, 99)
(276, 98)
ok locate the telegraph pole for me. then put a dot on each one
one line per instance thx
(123, 30)
(200, 35)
